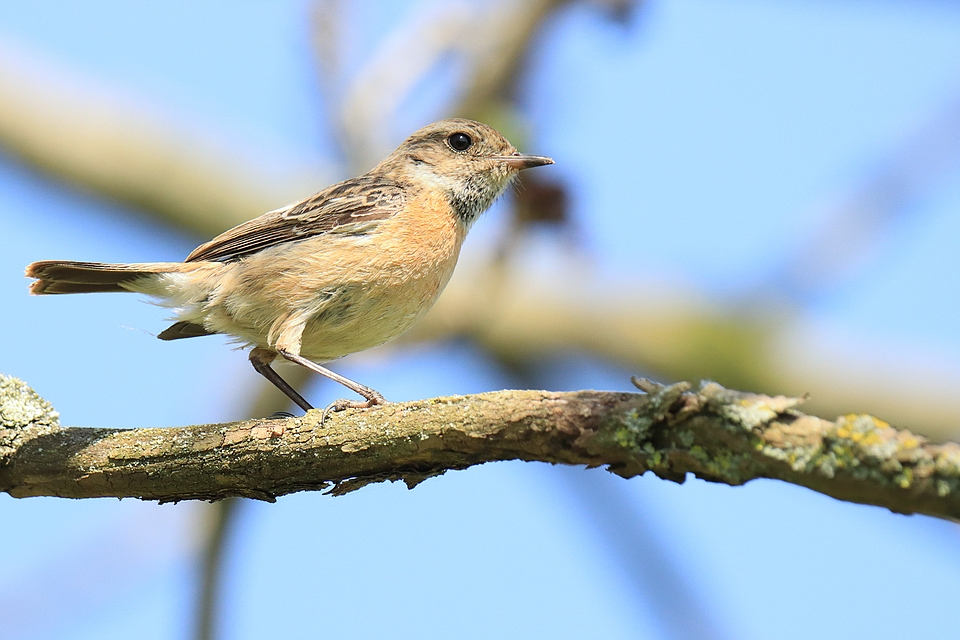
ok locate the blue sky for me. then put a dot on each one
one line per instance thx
(703, 143)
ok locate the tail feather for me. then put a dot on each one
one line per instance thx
(184, 329)
(49, 287)
(64, 276)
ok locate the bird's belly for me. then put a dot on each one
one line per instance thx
(362, 315)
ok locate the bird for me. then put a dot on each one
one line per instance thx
(344, 270)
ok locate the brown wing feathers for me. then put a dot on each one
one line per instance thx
(343, 206)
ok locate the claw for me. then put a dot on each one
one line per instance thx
(343, 403)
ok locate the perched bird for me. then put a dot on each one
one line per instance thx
(344, 270)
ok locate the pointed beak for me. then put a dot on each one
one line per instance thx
(520, 161)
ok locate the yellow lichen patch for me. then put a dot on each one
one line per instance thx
(860, 418)
(861, 428)
(869, 437)
(948, 460)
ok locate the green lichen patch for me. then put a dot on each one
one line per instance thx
(632, 429)
(727, 466)
(664, 405)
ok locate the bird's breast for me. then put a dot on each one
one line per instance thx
(377, 285)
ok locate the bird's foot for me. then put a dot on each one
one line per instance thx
(343, 403)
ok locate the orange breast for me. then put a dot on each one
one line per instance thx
(386, 280)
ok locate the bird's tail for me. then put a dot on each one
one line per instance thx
(64, 276)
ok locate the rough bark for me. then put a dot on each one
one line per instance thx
(712, 432)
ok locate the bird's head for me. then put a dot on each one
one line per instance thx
(470, 161)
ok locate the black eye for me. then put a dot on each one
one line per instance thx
(460, 141)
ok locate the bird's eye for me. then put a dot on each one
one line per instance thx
(460, 141)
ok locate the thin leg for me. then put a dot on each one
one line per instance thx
(261, 359)
(373, 397)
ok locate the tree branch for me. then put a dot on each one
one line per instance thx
(712, 432)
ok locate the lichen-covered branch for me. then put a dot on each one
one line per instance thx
(712, 432)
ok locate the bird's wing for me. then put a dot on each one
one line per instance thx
(352, 206)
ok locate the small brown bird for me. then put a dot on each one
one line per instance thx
(342, 271)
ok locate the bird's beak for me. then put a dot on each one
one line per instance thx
(520, 161)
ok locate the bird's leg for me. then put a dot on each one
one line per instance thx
(373, 397)
(261, 359)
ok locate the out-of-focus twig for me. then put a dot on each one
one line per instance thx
(218, 523)
(491, 45)
(397, 65)
(326, 39)
(499, 45)
(642, 557)
(326, 33)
